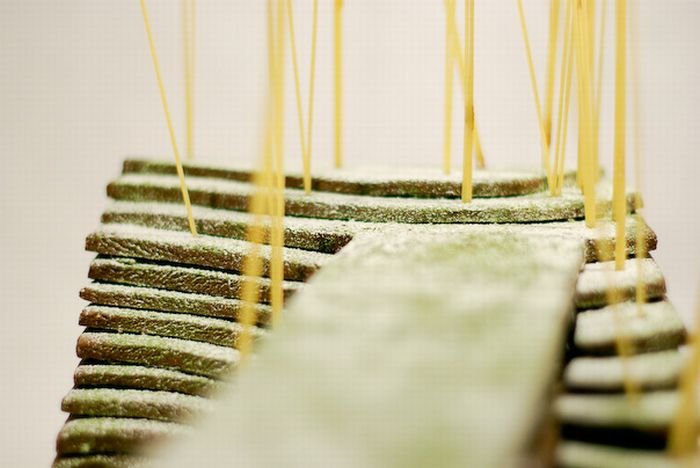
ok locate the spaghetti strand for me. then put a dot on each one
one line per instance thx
(168, 120)
(536, 96)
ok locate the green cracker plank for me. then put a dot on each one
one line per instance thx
(169, 353)
(85, 436)
(308, 234)
(652, 411)
(649, 371)
(149, 322)
(215, 193)
(181, 247)
(654, 326)
(129, 403)
(184, 279)
(400, 372)
(142, 378)
(597, 280)
(134, 297)
(583, 455)
(387, 182)
(101, 461)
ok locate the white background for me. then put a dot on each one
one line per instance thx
(77, 94)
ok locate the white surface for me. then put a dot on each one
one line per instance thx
(77, 93)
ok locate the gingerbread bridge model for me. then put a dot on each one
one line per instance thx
(417, 330)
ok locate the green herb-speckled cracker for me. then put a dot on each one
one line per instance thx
(130, 403)
(584, 455)
(113, 435)
(101, 461)
(231, 195)
(608, 373)
(597, 280)
(600, 241)
(169, 353)
(141, 377)
(654, 326)
(425, 182)
(304, 233)
(653, 411)
(181, 247)
(187, 279)
(134, 297)
(188, 327)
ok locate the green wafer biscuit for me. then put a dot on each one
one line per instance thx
(231, 195)
(169, 353)
(101, 461)
(113, 435)
(304, 233)
(188, 327)
(600, 241)
(584, 455)
(654, 326)
(134, 297)
(181, 247)
(141, 377)
(130, 403)
(653, 411)
(185, 279)
(387, 182)
(608, 374)
(598, 279)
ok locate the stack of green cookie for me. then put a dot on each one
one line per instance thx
(601, 424)
(161, 324)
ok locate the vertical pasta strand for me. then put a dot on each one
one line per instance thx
(587, 145)
(338, 79)
(640, 244)
(536, 96)
(449, 85)
(277, 232)
(601, 55)
(297, 89)
(480, 160)
(168, 119)
(589, 6)
(619, 183)
(305, 132)
(588, 41)
(188, 30)
(468, 102)
(310, 108)
(564, 98)
(551, 65)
